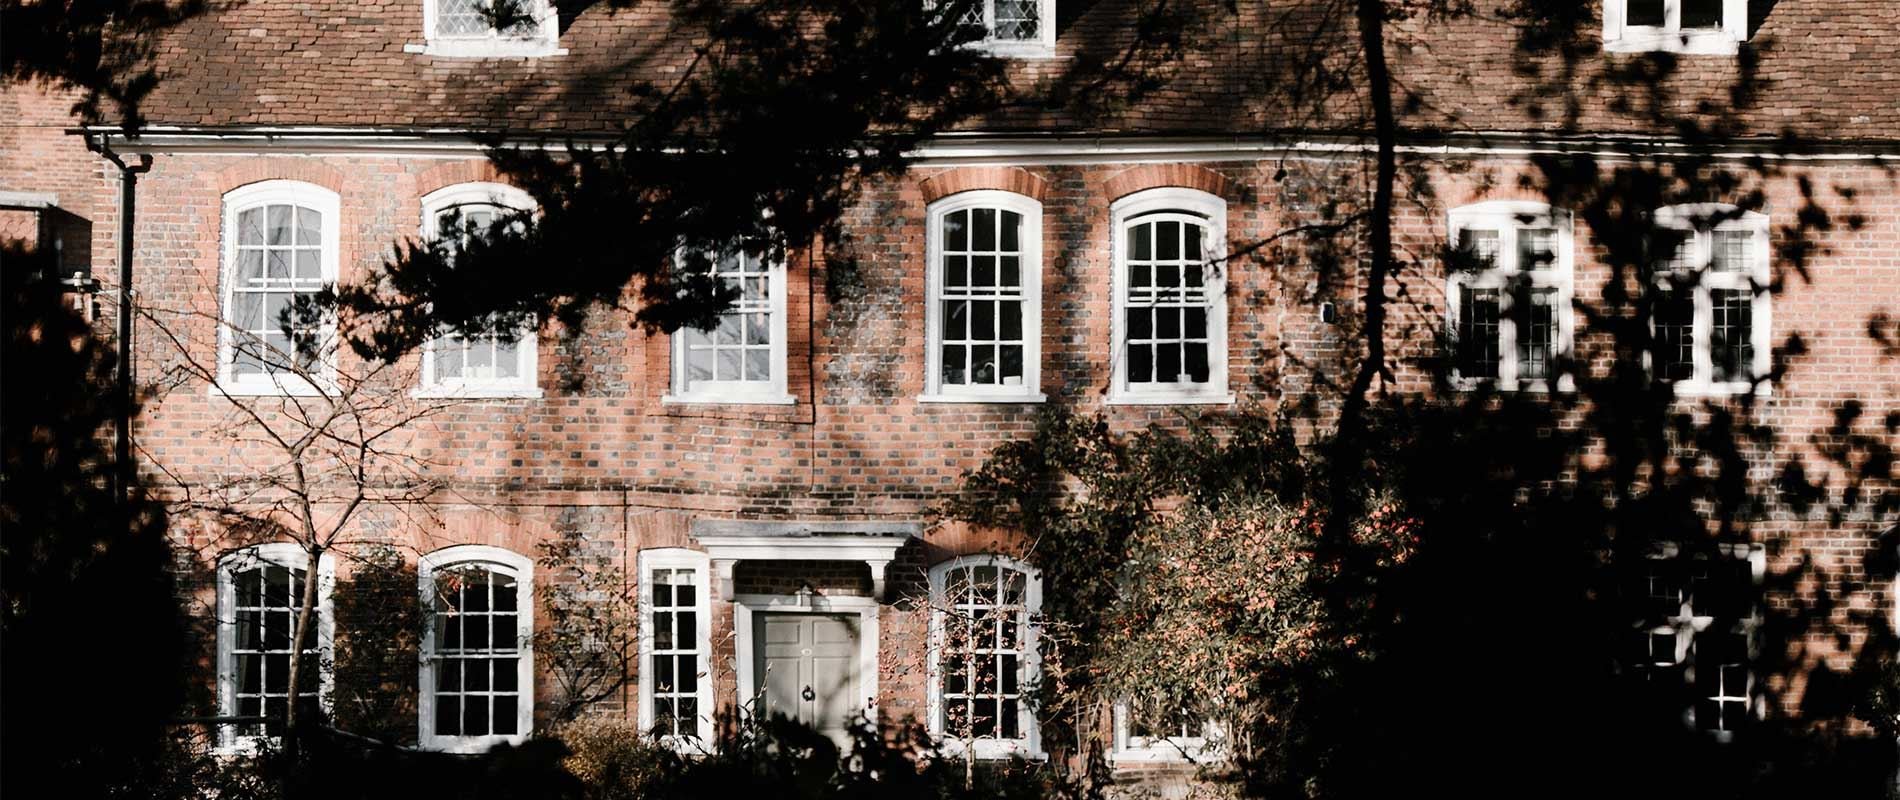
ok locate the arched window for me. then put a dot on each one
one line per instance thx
(495, 364)
(742, 359)
(260, 595)
(280, 244)
(1013, 27)
(984, 317)
(1508, 294)
(1709, 302)
(1170, 324)
(984, 663)
(477, 648)
(676, 703)
(486, 29)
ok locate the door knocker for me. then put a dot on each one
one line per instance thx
(808, 694)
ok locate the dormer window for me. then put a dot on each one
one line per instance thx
(1013, 27)
(1695, 27)
(489, 29)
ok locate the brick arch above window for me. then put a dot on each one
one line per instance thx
(1156, 176)
(442, 176)
(963, 179)
(258, 170)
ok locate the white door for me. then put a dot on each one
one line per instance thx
(808, 668)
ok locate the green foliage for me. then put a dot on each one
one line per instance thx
(378, 641)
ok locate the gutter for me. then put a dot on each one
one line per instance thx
(976, 148)
(125, 471)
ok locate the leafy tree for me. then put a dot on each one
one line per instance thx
(86, 583)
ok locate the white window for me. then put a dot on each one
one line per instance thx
(676, 702)
(1013, 27)
(1692, 642)
(1178, 736)
(1709, 310)
(280, 244)
(495, 364)
(984, 314)
(1170, 326)
(260, 595)
(477, 648)
(984, 664)
(1508, 295)
(1709, 27)
(742, 359)
(490, 28)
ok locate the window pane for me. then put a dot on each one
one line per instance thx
(1645, 12)
(1140, 363)
(1536, 248)
(758, 365)
(1734, 251)
(1674, 321)
(1017, 20)
(956, 231)
(1701, 13)
(1479, 248)
(309, 227)
(1731, 349)
(251, 226)
(1536, 336)
(1478, 333)
(277, 225)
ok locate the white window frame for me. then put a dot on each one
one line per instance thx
(494, 559)
(236, 201)
(1139, 749)
(1695, 219)
(1029, 745)
(774, 392)
(1621, 37)
(1506, 217)
(1685, 628)
(677, 558)
(526, 380)
(1030, 241)
(289, 555)
(545, 41)
(1190, 205)
(1043, 46)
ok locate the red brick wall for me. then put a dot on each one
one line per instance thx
(602, 457)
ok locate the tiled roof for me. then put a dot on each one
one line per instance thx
(1816, 68)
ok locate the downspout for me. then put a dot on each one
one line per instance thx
(124, 470)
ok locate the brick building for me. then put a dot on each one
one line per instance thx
(768, 485)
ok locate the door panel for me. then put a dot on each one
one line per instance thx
(815, 652)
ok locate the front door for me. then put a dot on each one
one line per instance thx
(808, 668)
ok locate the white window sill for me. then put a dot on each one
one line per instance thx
(1162, 754)
(993, 749)
(468, 744)
(728, 399)
(1695, 389)
(478, 393)
(286, 387)
(1564, 385)
(994, 399)
(1023, 51)
(1205, 398)
(487, 48)
(1658, 40)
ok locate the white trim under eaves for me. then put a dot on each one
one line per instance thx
(976, 149)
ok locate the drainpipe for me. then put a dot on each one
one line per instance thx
(125, 470)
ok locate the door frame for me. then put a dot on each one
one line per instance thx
(866, 609)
